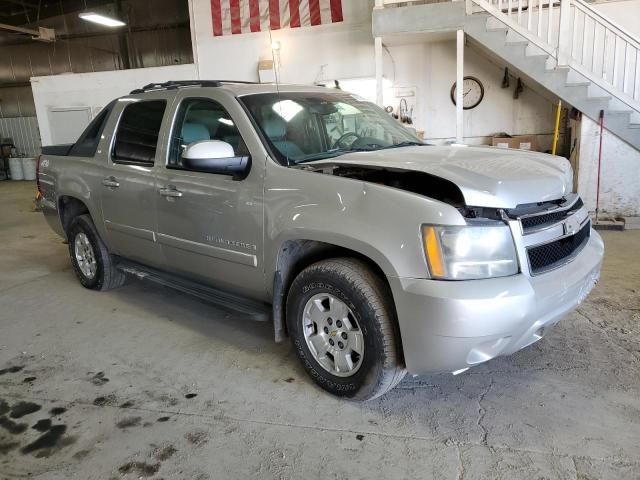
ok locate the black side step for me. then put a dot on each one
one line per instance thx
(254, 309)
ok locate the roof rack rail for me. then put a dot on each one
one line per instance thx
(174, 84)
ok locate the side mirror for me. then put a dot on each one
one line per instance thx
(214, 156)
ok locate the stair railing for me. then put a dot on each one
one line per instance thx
(575, 35)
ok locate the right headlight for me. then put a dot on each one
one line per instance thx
(469, 252)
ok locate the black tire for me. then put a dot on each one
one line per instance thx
(107, 276)
(368, 297)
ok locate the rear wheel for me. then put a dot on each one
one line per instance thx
(342, 323)
(93, 264)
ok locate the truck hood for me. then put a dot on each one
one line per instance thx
(486, 176)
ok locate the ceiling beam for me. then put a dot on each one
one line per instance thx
(41, 34)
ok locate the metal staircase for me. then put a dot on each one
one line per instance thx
(572, 50)
(569, 48)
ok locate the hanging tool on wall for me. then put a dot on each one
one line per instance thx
(519, 89)
(404, 115)
(556, 128)
(505, 79)
(402, 110)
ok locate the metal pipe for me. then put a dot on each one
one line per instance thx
(599, 163)
(556, 128)
(379, 70)
(459, 86)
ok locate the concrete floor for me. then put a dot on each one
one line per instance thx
(152, 383)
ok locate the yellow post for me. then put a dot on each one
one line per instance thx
(557, 127)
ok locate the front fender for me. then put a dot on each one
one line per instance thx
(379, 222)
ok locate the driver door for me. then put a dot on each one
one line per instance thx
(210, 225)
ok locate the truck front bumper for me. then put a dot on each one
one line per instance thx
(447, 326)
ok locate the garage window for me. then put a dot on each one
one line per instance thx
(138, 131)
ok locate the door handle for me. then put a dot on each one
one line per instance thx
(110, 182)
(170, 192)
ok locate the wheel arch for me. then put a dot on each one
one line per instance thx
(70, 207)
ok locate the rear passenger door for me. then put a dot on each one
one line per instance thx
(128, 189)
(210, 225)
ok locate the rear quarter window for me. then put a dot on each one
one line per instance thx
(87, 144)
(137, 135)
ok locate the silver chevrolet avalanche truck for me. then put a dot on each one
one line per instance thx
(375, 253)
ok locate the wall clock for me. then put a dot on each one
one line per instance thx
(472, 92)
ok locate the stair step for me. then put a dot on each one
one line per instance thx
(523, 41)
(493, 23)
(503, 28)
(537, 55)
(578, 84)
(618, 112)
(558, 69)
(598, 99)
(518, 48)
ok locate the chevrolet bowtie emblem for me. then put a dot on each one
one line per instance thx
(571, 226)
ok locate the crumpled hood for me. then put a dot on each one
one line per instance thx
(487, 177)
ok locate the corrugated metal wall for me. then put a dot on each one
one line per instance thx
(145, 48)
(157, 34)
(16, 101)
(24, 133)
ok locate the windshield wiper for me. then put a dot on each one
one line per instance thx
(341, 151)
(331, 154)
(409, 143)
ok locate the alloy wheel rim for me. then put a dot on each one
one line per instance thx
(85, 257)
(333, 335)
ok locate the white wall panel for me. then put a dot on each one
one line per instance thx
(619, 176)
(307, 54)
(95, 90)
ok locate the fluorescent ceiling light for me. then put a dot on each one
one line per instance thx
(101, 19)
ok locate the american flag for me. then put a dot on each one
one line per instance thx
(244, 16)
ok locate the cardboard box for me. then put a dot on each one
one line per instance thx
(521, 142)
(266, 71)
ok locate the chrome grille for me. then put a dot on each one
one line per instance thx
(551, 255)
(534, 222)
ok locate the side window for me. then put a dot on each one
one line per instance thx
(201, 119)
(137, 136)
(87, 144)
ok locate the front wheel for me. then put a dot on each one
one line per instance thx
(341, 319)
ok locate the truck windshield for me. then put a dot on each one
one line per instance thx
(307, 126)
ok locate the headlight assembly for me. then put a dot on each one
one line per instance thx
(469, 252)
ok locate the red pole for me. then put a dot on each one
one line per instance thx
(599, 163)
